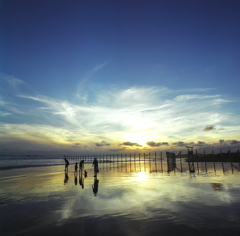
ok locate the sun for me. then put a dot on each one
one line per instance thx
(137, 138)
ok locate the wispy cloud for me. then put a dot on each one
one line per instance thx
(142, 116)
(93, 71)
(10, 107)
(98, 67)
(12, 81)
(13, 85)
(81, 94)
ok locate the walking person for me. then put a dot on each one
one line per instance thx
(95, 164)
(66, 164)
(81, 165)
(76, 167)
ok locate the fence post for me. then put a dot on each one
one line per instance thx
(222, 161)
(181, 160)
(161, 163)
(197, 161)
(205, 162)
(150, 162)
(214, 161)
(156, 161)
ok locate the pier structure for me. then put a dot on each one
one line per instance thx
(171, 162)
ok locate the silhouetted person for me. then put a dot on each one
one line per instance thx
(66, 177)
(95, 186)
(66, 164)
(95, 164)
(85, 174)
(76, 167)
(81, 164)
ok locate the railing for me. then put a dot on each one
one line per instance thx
(157, 162)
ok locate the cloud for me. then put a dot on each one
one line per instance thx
(130, 109)
(117, 114)
(179, 143)
(153, 144)
(12, 81)
(5, 113)
(208, 128)
(221, 141)
(92, 71)
(233, 142)
(57, 108)
(221, 144)
(184, 144)
(131, 144)
(98, 67)
(103, 143)
(200, 143)
(13, 86)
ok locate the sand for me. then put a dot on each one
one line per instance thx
(127, 200)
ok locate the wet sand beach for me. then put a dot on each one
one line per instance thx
(124, 199)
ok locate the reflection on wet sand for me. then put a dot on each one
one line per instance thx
(82, 176)
(75, 177)
(144, 196)
(217, 186)
(151, 195)
(95, 186)
(66, 177)
(167, 166)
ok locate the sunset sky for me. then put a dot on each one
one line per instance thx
(119, 75)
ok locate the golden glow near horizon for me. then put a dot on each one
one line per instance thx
(124, 120)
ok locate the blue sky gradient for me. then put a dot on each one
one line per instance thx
(116, 76)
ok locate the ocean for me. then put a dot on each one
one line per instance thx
(22, 161)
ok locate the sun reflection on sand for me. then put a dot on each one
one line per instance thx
(141, 176)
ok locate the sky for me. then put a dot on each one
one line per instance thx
(117, 76)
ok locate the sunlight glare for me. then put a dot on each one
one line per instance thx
(141, 176)
(137, 138)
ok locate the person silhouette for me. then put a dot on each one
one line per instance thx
(66, 164)
(76, 167)
(95, 164)
(81, 164)
(95, 186)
